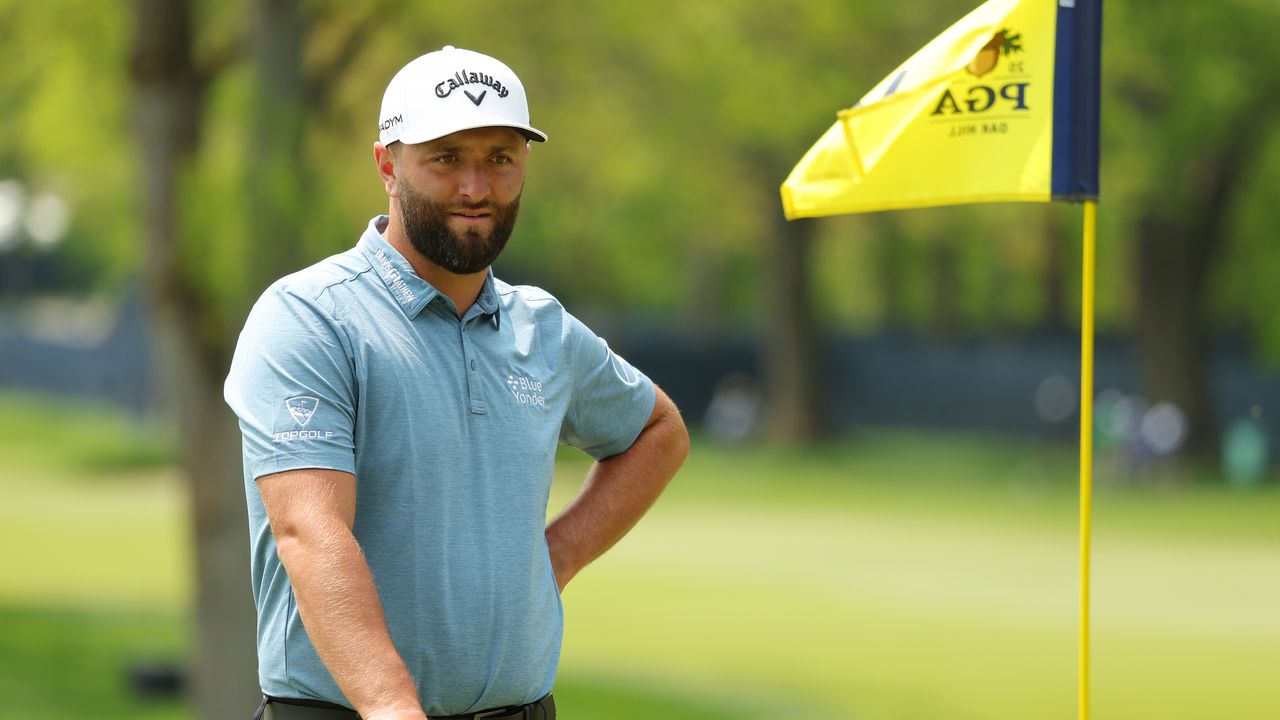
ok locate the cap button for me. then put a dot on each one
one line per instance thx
(448, 47)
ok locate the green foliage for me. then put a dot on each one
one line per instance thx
(67, 121)
(672, 125)
(1177, 84)
(1244, 286)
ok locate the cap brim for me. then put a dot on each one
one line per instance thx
(528, 131)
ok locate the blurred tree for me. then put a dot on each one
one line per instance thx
(1201, 90)
(192, 343)
(229, 198)
(672, 124)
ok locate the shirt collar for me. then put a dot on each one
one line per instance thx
(487, 302)
(410, 291)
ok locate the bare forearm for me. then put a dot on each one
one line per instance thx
(617, 493)
(339, 605)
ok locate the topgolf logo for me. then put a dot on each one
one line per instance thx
(302, 408)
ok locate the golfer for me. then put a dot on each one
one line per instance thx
(401, 408)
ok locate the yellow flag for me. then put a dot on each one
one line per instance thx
(969, 118)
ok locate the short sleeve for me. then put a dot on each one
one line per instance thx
(611, 400)
(292, 386)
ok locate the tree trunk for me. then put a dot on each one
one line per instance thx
(1177, 244)
(224, 668)
(944, 320)
(704, 314)
(1055, 274)
(790, 341)
(892, 268)
(1171, 338)
(277, 179)
(192, 354)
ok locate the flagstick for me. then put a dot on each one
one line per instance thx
(1086, 439)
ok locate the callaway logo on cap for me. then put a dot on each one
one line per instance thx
(450, 90)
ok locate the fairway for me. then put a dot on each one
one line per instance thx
(884, 604)
(895, 576)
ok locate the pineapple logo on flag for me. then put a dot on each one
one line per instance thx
(1005, 41)
(302, 408)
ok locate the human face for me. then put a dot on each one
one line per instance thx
(459, 196)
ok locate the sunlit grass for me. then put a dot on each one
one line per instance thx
(63, 440)
(92, 512)
(901, 575)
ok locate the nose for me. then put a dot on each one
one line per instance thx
(473, 183)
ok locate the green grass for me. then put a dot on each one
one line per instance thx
(76, 664)
(71, 662)
(76, 441)
(895, 575)
(914, 576)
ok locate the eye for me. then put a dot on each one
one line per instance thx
(445, 159)
(502, 159)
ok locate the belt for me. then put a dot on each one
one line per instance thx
(544, 708)
(273, 708)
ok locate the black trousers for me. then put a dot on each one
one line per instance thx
(277, 709)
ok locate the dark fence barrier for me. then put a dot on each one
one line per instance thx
(989, 384)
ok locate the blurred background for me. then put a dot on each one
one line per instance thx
(878, 518)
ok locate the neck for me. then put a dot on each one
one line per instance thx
(461, 289)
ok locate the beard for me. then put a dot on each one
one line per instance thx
(426, 225)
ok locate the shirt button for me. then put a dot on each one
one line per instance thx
(473, 366)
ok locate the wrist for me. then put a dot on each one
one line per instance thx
(401, 707)
(404, 713)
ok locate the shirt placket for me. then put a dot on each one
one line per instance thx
(471, 362)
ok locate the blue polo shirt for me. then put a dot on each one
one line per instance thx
(450, 427)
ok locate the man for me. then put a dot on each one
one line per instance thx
(401, 409)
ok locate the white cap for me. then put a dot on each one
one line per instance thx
(449, 90)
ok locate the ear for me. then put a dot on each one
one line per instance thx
(386, 162)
